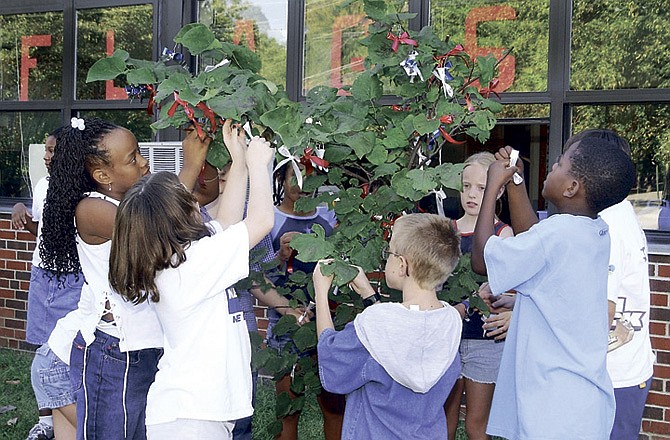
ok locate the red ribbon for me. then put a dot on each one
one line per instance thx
(486, 92)
(402, 38)
(447, 119)
(448, 137)
(309, 159)
(209, 114)
(150, 104)
(471, 108)
(455, 51)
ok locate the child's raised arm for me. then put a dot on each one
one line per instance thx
(231, 205)
(321, 287)
(195, 152)
(260, 214)
(521, 211)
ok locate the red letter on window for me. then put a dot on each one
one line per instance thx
(491, 13)
(112, 92)
(246, 28)
(28, 63)
(355, 63)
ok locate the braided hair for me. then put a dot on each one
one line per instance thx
(76, 152)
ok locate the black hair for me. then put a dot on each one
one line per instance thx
(56, 133)
(279, 176)
(600, 133)
(76, 151)
(605, 171)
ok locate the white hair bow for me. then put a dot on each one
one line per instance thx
(295, 160)
(77, 123)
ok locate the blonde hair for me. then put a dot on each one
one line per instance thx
(431, 246)
(483, 158)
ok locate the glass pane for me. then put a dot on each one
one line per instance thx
(333, 56)
(17, 132)
(620, 45)
(31, 56)
(645, 127)
(494, 26)
(257, 24)
(99, 32)
(533, 111)
(137, 121)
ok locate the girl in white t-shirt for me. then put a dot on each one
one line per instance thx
(162, 253)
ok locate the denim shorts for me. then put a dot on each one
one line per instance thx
(49, 301)
(283, 342)
(50, 378)
(480, 359)
(99, 375)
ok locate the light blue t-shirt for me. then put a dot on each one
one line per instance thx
(553, 381)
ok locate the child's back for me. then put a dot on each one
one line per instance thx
(560, 322)
(397, 367)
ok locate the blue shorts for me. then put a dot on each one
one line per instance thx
(280, 343)
(50, 378)
(480, 359)
(99, 374)
(48, 302)
(629, 408)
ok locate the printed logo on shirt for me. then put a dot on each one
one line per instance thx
(632, 316)
(234, 306)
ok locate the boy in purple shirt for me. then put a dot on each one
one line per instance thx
(397, 362)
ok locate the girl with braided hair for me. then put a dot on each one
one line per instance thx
(115, 353)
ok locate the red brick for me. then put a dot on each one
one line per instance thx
(658, 399)
(5, 224)
(655, 258)
(18, 245)
(662, 371)
(25, 236)
(14, 304)
(6, 313)
(8, 235)
(663, 271)
(16, 265)
(4, 283)
(20, 334)
(655, 427)
(656, 384)
(7, 293)
(660, 285)
(658, 328)
(7, 254)
(654, 412)
(659, 299)
(24, 285)
(6, 332)
(662, 357)
(15, 324)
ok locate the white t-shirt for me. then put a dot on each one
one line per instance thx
(39, 196)
(628, 287)
(205, 372)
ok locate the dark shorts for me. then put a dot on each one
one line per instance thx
(111, 387)
(629, 408)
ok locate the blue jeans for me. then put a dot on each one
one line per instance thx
(629, 408)
(111, 388)
(50, 379)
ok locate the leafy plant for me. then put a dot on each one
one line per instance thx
(382, 158)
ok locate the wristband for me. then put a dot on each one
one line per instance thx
(372, 299)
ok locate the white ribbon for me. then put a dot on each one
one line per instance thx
(411, 66)
(295, 161)
(223, 62)
(78, 123)
(440, 73)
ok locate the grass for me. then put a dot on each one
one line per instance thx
(15, 390)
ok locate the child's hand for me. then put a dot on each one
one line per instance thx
(497, 304)
(233, 139)
(496, 325)
(20, 216)
(195, 149)
(361, 285)
(285, 249)
(321, 282)
(260, 153)
(302, 314)
(499, 174)
(504, 153)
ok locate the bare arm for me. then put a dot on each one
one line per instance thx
(231, 202)
(321, 287)
(23, 219)
(522, 214)
(195, 152)
(273, 299)
(95, 220)
(611, 310)
(260, 214)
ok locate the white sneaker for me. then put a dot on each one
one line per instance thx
(41, 431)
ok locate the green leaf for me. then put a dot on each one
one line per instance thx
(367, 87)
(449, 175)
(386, 169)
(362, 143)
(197, 39)
(378, 155)
(422, 180)
(282, 405)
(311, 247)
(106, 69)
(287, 324)
(305, 337)
(423, 125)
(337, 153)
(484, 120)
(376, 9)
(404, 186)
(395, 138)
(122, 54)
(141, 76)
(272, 87)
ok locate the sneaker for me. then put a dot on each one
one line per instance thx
(41, 431)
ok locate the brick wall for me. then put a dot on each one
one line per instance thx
(16, 253)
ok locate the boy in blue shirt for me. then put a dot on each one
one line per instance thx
(553, 381)
(397, 362)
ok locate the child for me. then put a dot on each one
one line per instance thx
(114, 357)
(630, 366)
(553, 380)
(162, 251)
(397, 362)
(480, 352)
(287, 223)
(49, 299)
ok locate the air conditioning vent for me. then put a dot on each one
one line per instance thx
(163, 156)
